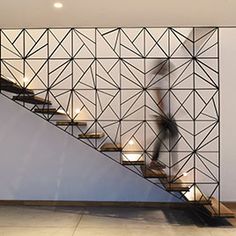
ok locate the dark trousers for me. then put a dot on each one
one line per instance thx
(168, 129)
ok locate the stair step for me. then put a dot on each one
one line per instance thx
(9, 86)
(151, 173)
(71, 123)
(217, 209)
(111, 147)
(132, 159)
(4, 81)
(194, 195)
(91, 136)
(32, 99)
(175, 186)
(16, 89)
(49, 111)
(137, 163)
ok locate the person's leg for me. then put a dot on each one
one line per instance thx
(157, 146)
(174, 137)
(174, 154)
(159, 142)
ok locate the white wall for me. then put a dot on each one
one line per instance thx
(228, 111)
(40, 162)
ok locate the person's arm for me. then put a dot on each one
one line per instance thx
(160, 102)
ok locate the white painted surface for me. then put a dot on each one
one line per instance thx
(228, 127)
(35, 13)
(40, 162)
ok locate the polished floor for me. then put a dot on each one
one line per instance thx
(112, 221)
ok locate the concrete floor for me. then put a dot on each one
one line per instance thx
(112, 221)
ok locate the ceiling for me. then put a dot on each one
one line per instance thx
(41, 13)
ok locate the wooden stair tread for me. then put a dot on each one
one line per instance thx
(6, 81)
(111, 147)
(177, 185)
(49, 111)
(133, 159)
(91, 136)
(71, 123)
(151, 173)
(9, 86)
(194, 195)
(133, 162)
(217, 209)
(32, 99)
(14, 88)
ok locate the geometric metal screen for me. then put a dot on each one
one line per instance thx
(108, 78)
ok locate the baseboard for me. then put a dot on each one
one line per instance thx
(91, 203)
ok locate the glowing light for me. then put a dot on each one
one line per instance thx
(25, 80)
(131, 142)
(185, 174)
(133, 157)
(58, 5)
(61, 111)
(77, 111)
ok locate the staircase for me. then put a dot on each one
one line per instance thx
(188, 192)
(101, 97)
